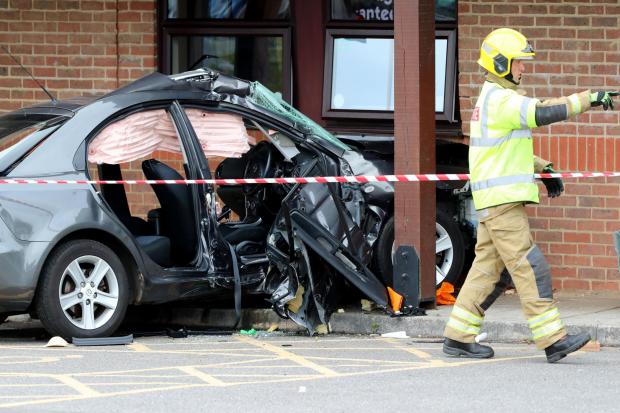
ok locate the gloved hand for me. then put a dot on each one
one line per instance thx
(554, 186)
(603, 98)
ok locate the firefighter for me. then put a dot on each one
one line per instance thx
(502, 164)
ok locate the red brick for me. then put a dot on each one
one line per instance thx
(602, 238)
(605, 262)
(577, 21)
(583, 225)
(588, 201)
(576, 237)
(577, 260)
(607, 214)
(557, 224)
(589, 249)
(605, 286)
(575, 285)
(563, 248)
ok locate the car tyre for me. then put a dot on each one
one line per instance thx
(449, 261)
(83, 291)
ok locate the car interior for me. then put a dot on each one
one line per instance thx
(165, 225)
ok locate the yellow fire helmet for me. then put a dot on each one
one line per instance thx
(501, 47)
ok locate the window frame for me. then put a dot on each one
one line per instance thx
(448, 114)
(450, 95)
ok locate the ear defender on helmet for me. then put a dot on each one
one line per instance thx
(501, 64)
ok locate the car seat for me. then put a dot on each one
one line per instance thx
(178, 220)
(116, 198)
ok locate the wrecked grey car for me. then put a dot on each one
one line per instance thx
(76, 255)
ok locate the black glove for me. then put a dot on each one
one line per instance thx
(554, 186)
(603, 98)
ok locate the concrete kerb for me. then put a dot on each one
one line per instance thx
(420, 327)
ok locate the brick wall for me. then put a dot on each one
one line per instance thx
(78, 48)
(577, 47)
(74, 47)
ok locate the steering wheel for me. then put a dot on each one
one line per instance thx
(258, 165)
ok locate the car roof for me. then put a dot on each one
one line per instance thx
(66, 107)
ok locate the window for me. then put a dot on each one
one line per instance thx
(21, 133)
(445, 74)
(229, 9)
(245, 56)
(359, 74)
(383, 10)
(362, 74)
(249, 39)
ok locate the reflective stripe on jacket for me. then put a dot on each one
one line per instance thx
(501, 152)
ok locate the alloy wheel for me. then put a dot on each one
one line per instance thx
(88, 292)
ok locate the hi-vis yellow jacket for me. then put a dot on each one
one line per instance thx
(501, 153)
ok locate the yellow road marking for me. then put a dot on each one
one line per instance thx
(289, 356)
(27, 360)
(32, 385)
(222, 364)
(78, 386)
(139, 347)
(30, 396)
(139, 383)
(379, 361)
(207, 378)
(418, 353)
(288, 379)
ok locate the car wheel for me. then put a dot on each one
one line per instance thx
(83, 291)
(449, 251)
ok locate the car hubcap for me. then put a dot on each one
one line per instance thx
(444, 253)
(88, 292)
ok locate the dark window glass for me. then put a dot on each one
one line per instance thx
(383, 10)
(245, 56)
(445, 10)
(20, 133)
(229, 9)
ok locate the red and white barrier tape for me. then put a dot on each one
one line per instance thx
(306, 180)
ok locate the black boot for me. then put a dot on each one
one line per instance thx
(472, 350)
(566, 345)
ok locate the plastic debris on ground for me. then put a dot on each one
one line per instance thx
(395, 334)
(340, 310)
(273, 328)
(251, 332)
(367, 305)
(103, 341)
(322, 329)
(445, 294)
(57, 342)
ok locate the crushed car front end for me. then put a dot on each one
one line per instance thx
(321, 238)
